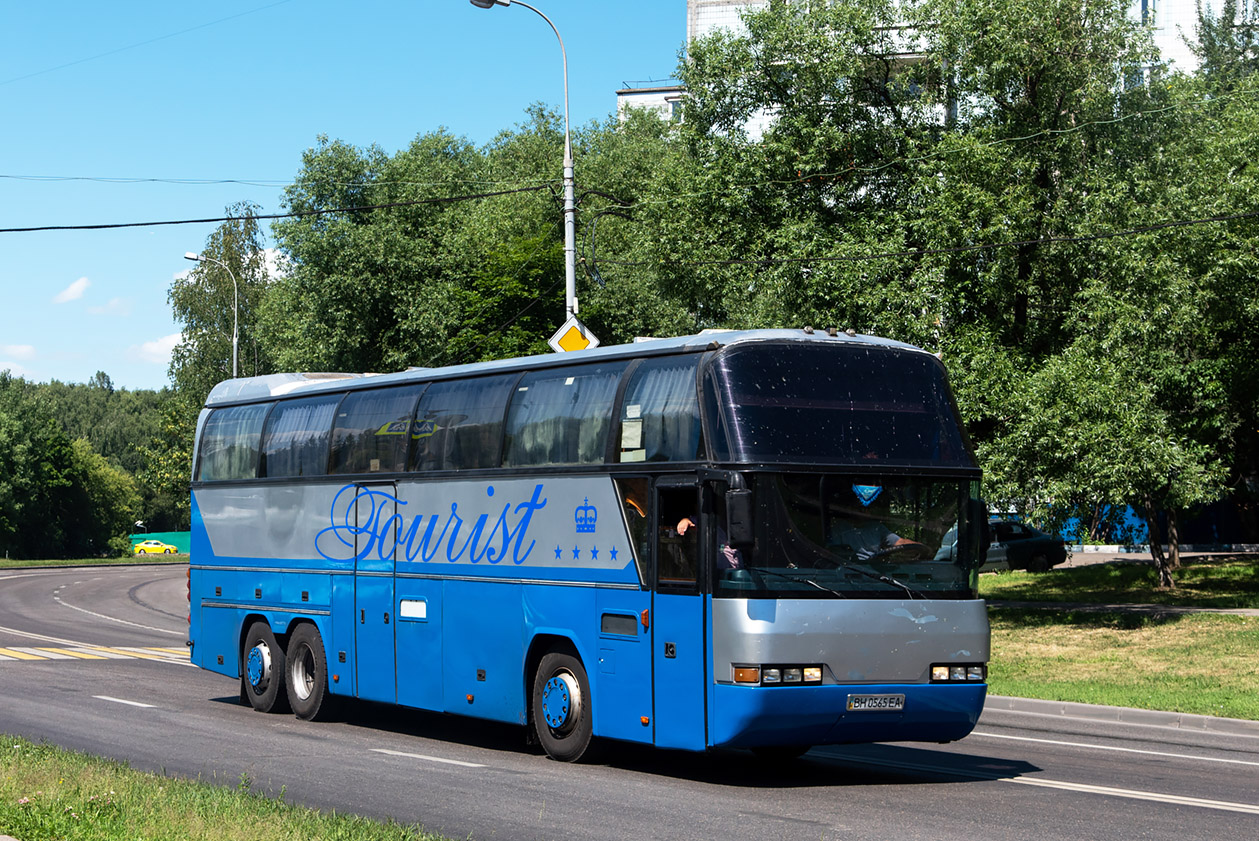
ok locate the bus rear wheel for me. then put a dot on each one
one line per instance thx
(307, 675)
(561, 707)
(263, 661)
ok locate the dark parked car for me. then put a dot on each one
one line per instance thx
(1017, 545)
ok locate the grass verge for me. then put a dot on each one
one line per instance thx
(1218, 581)
(126, 560)
(49, 793)
(1199, 663)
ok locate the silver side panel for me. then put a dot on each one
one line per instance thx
(859, 641)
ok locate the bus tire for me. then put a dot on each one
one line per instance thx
(263, 666)
(561, 707)
(307, 675)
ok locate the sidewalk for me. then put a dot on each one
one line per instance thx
(1124, 715)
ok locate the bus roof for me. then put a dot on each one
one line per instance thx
(249, 389)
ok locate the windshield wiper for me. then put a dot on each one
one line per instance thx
(878, 576)
(798, 579)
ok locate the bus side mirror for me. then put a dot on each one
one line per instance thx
(739, 517)
(979, 516)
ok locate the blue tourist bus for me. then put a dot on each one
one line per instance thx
(763, 540)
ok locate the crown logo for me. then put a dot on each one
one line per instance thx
(586, 515)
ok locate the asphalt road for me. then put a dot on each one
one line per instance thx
(92, 659)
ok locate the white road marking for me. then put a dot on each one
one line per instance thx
(1174, 799)
(1107, 791)
(57, 598)
(123, 701)
(427, 758)
(1114, 748)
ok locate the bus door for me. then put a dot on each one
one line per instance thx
(679, 679)
(376, 541)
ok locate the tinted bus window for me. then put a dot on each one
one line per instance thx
(660, 412)
(295, 442)
(372, 429)
(230, 443)
(561, 416)
(835, 404)
(459, 423)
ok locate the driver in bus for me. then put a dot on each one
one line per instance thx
(861, 530)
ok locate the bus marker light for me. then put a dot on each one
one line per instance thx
(645, 616)
(813, 674)
(747, 674)
(336, 678)
(646, 720)
(470, 697)
(771, 676)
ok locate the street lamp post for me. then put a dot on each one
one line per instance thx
(570, 201)
(201, 258)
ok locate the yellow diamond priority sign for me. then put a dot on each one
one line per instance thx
(573, 335)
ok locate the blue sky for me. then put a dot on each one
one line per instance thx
(237, 90)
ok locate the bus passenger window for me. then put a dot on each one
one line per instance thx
(231, 442)
(459, 423)
(562, 415)
(371, 431)
(295, 441)
(660, 412)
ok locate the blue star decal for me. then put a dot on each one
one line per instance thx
(594, 553)
(613, 553)
(558, 553)
(576, 553)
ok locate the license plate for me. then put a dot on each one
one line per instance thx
(876, 703)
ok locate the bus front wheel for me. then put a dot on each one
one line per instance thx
(263, 662)
(307, 673)
(561, 707)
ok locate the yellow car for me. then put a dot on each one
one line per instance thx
(155, 547)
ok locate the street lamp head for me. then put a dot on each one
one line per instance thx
(189, 255)
(489, 4)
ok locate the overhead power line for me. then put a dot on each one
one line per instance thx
(291, 215)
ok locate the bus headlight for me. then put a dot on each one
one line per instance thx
(778, 675)
(959, 673)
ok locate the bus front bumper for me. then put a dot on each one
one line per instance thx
(755, 716)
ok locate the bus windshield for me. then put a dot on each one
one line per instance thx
(853, 536)
(834, 404)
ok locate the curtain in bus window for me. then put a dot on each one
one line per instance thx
(230, 443)
(459, 423)
(660, 412)
(372, 431)
(295, 442)
(561, 416)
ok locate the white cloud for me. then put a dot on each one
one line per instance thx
(276, 262)
(16, 370)
(158, 350)
(116, 306)
(181, 275)
(18, 351)
(73, 292)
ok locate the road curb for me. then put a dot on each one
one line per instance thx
(1125, 715)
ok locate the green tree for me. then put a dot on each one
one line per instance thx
(211, 302)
